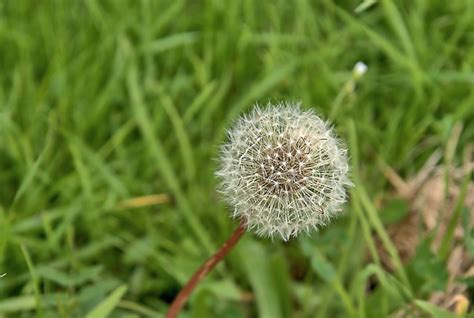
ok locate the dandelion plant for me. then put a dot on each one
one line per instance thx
(282, 172)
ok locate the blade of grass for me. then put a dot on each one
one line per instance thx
(216, 100)
(388, 283)
(82, 170)
(100, 166)
(163, 164)
(448, 238)
(374, 219)
(35, 280)
(171, 42)
(34, 170)
(199, 101)
(259, 275)
(326, 271)
(433, 310)
(256, 91)
(371, 212)
(180, 133)
(105, 308)
(139, 309)
(398, 25)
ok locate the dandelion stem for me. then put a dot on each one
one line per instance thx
(185, 292)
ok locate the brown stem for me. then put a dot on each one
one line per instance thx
(183, 295)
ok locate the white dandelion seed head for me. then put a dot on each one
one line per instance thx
(283, 171)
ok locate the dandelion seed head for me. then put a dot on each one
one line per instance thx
(283, 171)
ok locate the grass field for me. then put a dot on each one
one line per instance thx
(105, 102)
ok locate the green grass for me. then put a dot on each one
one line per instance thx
(103, 101)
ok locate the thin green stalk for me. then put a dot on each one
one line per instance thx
(345, 297)
(374, 219)
(371, 212)
(35, 279)
(448, 238)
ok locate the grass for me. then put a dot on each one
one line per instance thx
(106, 101)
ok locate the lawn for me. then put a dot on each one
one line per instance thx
(111, 118)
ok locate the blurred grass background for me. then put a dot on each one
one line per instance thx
(103, 102)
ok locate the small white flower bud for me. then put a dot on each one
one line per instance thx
(360, 68)
(295, 175)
